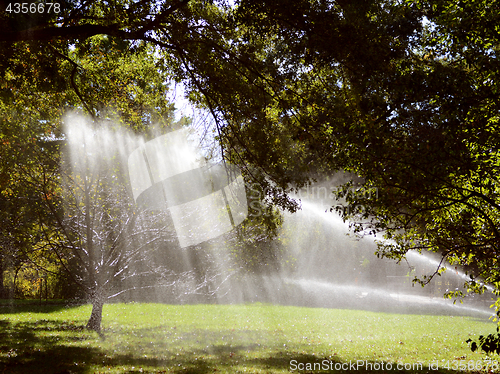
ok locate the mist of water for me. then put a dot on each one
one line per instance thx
(339, 270)
(321, 267)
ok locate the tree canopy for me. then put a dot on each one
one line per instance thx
(404, 95)
(411, 105)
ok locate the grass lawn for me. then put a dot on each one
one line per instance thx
(252, 338)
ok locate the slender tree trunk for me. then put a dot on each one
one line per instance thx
(95, 319)
(3, 294)
(14, 291)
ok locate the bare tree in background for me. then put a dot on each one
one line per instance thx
(105, 242)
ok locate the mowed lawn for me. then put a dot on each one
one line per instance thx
(255, 338)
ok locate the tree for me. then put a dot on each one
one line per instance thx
(410, 104)
(28, 132)
(100, 229)
(33, 194)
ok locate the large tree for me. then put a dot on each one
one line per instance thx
(404, 95)
(111, 81)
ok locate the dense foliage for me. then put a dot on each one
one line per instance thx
(489, 344)
(410, 104)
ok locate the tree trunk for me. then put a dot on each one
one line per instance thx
(94, 322)
(3, 294)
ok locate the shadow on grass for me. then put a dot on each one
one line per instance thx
(34, 307)
(36, 347)
(55, 347)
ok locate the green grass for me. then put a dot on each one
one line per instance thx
(252, 338)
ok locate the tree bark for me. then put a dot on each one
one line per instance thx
(95, 319)
(3, 294)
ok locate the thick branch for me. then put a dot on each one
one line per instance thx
(66, 33)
